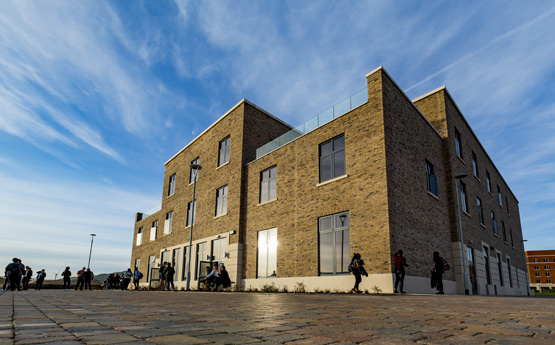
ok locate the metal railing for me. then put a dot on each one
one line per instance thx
(334, 112)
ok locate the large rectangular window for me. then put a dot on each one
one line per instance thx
(509, 268)
(218, 250)
(202, 255)
(221, 201)
(168, 223)
(139, 237)
(185, 258)
(504, 231)
(499, 197)
(193, 174)
(150, 266)
(267, 253)
(137, 264)
(480, 210)
(475, 165)
(153, 230)
(268, 184)
(332, 158)
(511, 235)
(171, 186)
(488, 181)
(500, 269)
(494, 224)
(464, 203)
(334, 243)
(458, 143)
(223, 156)
(507, 206)
(191, 212)
(486, 260)
(431, 178)
(175, 261)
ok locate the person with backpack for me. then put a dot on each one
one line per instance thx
(400, 263)
(357, 269)
(127, 275)
(170, 271)
(138, 276)
(14, 272)
(440, 266)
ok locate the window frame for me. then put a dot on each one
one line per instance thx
(488, 181)
(480, 211)
(345, 244)
(458, 144)
(168, 229)
(267, 184)
(494, 224)
(475, 165)
(464, 202)
(192, 176)
(221, 201)
(171, 185)
(224, 148)
(431, 178)
(499, 196)
(332, 156)
(190, 216)
(264, 252)
(139, 239)
(154, 231)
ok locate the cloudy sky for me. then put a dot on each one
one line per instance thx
(95, 96)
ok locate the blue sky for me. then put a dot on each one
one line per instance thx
(95, 96)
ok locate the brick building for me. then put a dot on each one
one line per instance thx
(375, 173)
(541, 266)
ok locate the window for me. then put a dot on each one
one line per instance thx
(504, 231)
(458, 144)
(431, 178)
(475, 165)
(165, 257)
(499, 197)
(332, 158)
(480, 211)
(511, 235)
(193, 174)
(267, 253)
(168, 223)
(500, 268)
(538, 274)
(268, 184)
(464, 204)
(536, 260)
(494, 224)
(218, 250)
(538, 281)
(548, 281)
(547, 274)
(137, 264)
(221, 201)
(545, 260)
(150, 266)
(191, 212)
(334, 243)
(202, 255)
(171, 187)
(507, 205)
(486, 260)
(184, 268)
(488, 181)
(175, 261)
(223, 156)
(153, 230)
(536, 267)
(546, 267)
(510, 273)
(139, 237)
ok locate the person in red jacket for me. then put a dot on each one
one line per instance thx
(400, 263)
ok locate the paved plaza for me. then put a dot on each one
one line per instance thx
(144, 317)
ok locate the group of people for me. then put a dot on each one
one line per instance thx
(84, 279)
(122, 282)
(17, 276)
(356, 267)
(217, 277)
(166, 276)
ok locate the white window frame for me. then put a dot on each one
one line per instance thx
(267, 253)
(192, 204)
(266, 184)
(168, 223)
(153, 230)
(139, 236)
(221, 201)
(171, 185)
(224, 150)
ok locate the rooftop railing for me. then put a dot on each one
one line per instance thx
(151, 211)
(334, 112)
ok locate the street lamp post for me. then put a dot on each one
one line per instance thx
(195, 168)
(457, 191)
(90, 252)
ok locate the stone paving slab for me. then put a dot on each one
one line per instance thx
(143, 317)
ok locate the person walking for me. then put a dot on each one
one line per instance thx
(27, 277)
(88, 276)
(127, 275)
(358, 272)
(14, 272)
(170, 271)
(437, 273)
(40, 279)
(137, 278)
(67, 278)
(80, 281)
(163, 285)
(400, 263)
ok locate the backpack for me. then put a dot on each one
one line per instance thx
(140, 275)
(446, 266)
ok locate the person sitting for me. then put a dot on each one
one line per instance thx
(226, 282)
(213, 279)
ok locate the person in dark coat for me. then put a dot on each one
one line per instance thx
(40, 279)
(15, 272)
(437, 273)
(170, 272)
(67, 278)
(27, 277)
(226, 282)
(358, 272)
(88, 277)
(400, 263)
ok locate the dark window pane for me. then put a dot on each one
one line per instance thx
(325, 169)
(325, 149)
(339, 163)
(325, 223)
(342, 220)
(339, 143)
(264, 192)
(272, 194)
(326, 252)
